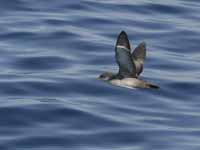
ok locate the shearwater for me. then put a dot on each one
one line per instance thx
(130, 65)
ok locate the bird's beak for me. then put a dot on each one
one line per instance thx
(98, 78)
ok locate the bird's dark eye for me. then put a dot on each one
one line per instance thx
(101, 76)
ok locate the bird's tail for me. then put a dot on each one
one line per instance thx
(149, 85)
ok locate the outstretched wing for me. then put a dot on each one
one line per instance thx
(138, 56)
(123, 56)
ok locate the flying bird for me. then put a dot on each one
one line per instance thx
(130, 65)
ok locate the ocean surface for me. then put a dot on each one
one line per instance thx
(51, 53)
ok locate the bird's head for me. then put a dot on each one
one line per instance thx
(106, 76)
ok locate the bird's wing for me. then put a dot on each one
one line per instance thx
(138, 56)
(123, 57)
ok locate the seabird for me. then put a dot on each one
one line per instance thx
(130, 65)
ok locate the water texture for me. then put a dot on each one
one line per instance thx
(52, 52)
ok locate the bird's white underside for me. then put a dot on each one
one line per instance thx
(128, 82)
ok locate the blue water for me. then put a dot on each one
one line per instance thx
(51, 53)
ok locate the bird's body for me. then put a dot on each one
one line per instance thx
(129, 82)
(126, 82)
(130, 65)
